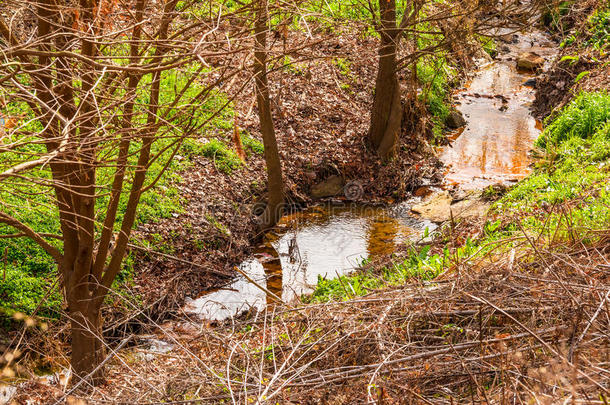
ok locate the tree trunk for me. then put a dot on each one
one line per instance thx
(87, 348)
(386, 114)
(275, 183)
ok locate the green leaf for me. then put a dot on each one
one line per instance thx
(581, 75)
(572, 58)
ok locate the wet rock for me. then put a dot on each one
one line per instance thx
(6, 393)
(505, 49)
(470, 208)
(530, 82)
(530, 61)
(455, 120)
(330, 187)
(459, 194)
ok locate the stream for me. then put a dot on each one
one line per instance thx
(332, 240)
(322, 241)
(494, 146)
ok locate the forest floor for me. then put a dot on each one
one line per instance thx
(510, 308)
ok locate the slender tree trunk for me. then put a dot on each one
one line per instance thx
(275, 183)
(87, 347)
(386, 115)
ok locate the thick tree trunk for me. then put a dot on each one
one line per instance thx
(386, 114)
(275, 183)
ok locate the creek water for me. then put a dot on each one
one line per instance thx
(323, 241)
(328, 241)
(494, 146)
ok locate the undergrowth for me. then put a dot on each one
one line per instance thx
(599, 29)
(435, 75)
(554, 16)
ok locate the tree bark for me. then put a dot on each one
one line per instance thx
(87, 347)
(275, 183)
(386, 114)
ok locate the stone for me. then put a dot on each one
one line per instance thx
(311, 175)
(441, 206)
(330, 187)
(509, 38)
(530, 82)
(460, 194)
(6, 393)
(470, 208)
(530, 61)
(455, 120)
(435, 208)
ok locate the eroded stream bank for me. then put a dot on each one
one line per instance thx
(332, 240)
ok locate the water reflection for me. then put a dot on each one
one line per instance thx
(494, 145)
(320, 242)
(239, 296)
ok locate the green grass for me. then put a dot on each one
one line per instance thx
(435, 74)
(582, 118)
(576, 178)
